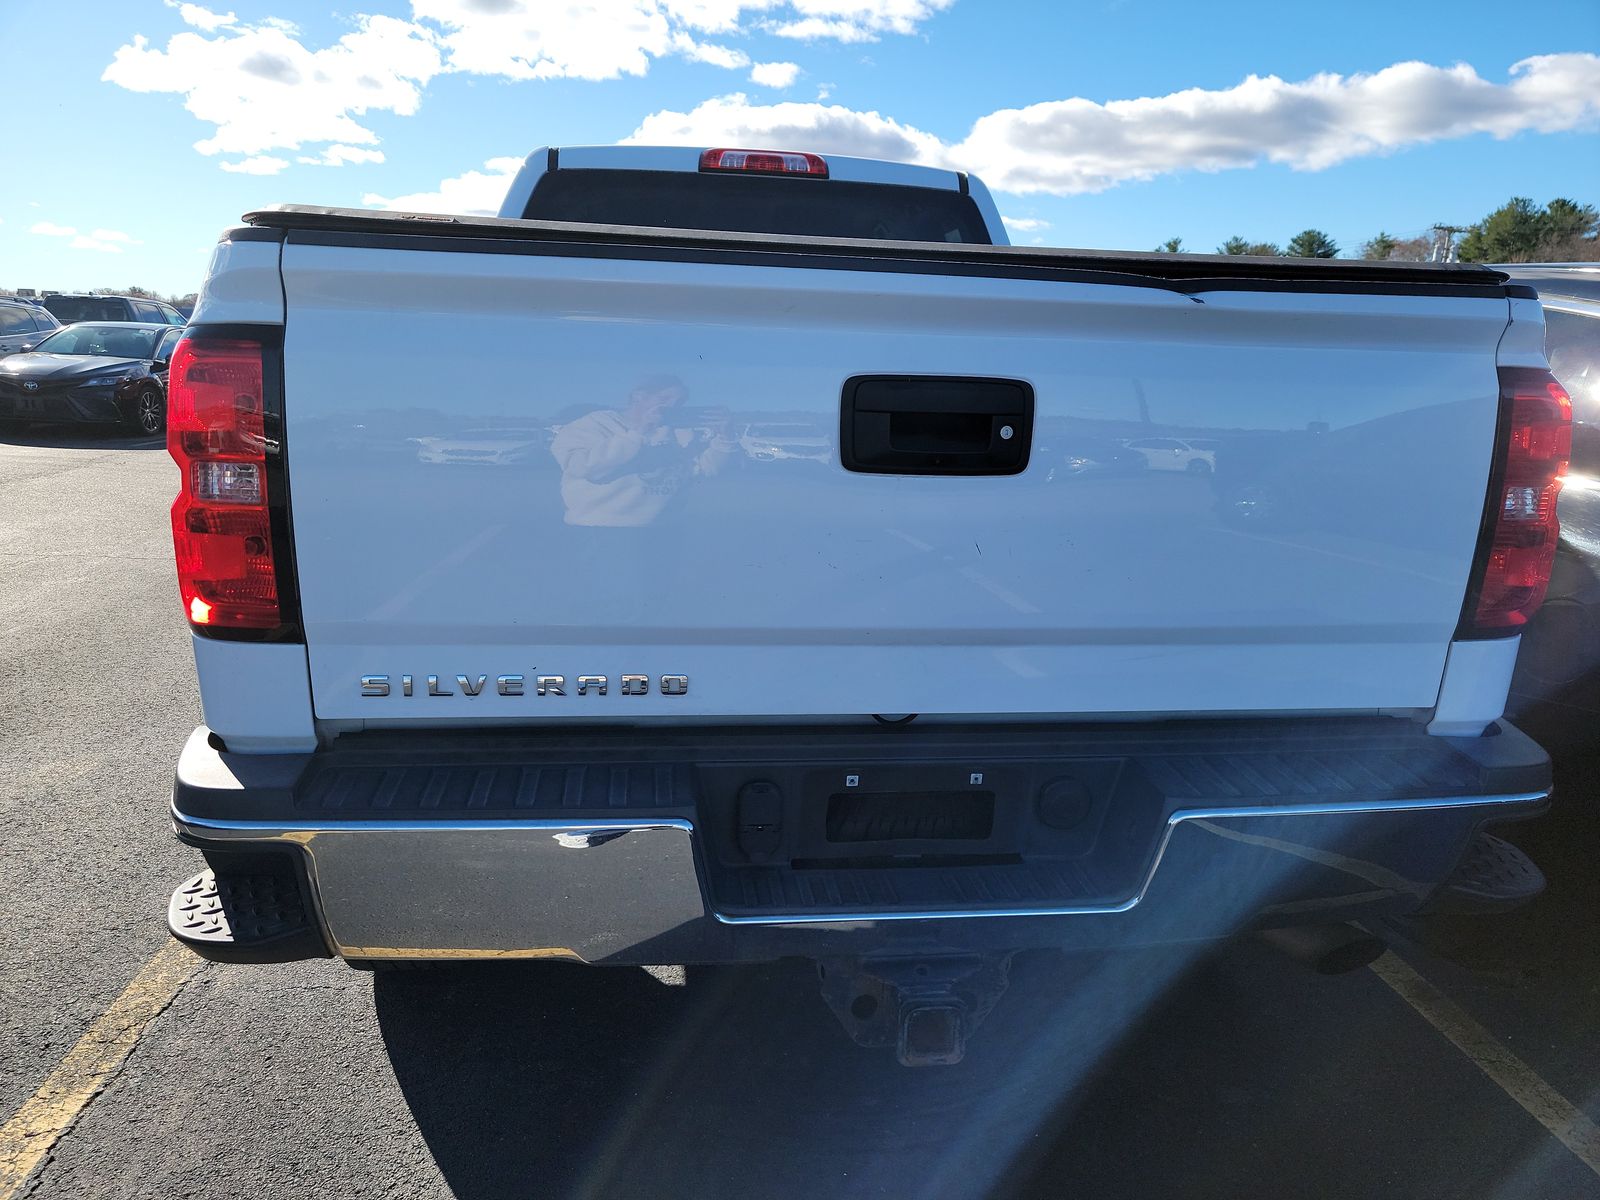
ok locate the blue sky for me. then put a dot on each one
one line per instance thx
(1144, 126)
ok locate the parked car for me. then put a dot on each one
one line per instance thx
(1557, 682)
(664, 711)
(1176, 454)
(101, 372)
(21, 324)
(69, 308)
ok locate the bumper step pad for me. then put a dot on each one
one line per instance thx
(244, 917)
(1494, 877)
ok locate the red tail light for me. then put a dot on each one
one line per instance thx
(221, 526)
(765, 162)
(1521, 528)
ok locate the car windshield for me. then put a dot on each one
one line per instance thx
(113, 341)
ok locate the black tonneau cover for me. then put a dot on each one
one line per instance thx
(1189, 273)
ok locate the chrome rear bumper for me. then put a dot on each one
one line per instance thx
(632, 891)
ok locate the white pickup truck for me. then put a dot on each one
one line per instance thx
(509, 645)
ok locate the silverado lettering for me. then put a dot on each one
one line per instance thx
(513, 685)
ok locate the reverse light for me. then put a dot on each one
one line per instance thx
(1521, 529)
(221, 525)
(765, 162)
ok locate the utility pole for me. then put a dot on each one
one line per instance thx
(1444, 242)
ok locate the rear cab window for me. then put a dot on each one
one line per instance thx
(757, 204)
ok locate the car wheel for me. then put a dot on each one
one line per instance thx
(148, 415)
(1199, 466)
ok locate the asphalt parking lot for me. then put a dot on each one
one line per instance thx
(1466, 1065)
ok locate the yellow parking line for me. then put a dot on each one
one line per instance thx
(1565, 1121)
(29, 1135)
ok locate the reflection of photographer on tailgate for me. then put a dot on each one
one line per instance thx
(624, 468)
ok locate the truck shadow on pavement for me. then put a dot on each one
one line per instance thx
(1134, 1075)
(557, 1080)
(78, 437)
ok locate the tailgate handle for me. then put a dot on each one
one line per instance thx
(935, 425)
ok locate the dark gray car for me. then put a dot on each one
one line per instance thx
(22, 324)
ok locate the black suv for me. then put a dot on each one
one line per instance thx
(68, 309)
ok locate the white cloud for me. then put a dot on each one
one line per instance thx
(202, 18)
(1025, 224)
(338, 156)
(717, 56)
(264, 90)
(107, 241)
(1078, 146)
(257, 164)
(825, 129)
(477, 193)
(775, 74)
(604, 39)
(853, 20)
(84, 242)
(597, 39)
(1073, 146)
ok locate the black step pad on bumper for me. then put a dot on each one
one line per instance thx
(245, 914)
(1494, 876)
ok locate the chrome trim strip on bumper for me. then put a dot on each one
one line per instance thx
(1173, 822)
(305, 835)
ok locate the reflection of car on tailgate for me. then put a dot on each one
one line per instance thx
(481, 447)
(770, 442)
(1177, 454)
(1077, 456)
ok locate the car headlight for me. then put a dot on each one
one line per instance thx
(101, 381)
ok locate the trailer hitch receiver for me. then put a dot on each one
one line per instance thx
(926, 1008)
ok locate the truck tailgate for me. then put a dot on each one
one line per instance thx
(467, 505)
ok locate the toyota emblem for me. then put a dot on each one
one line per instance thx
(30, 386)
